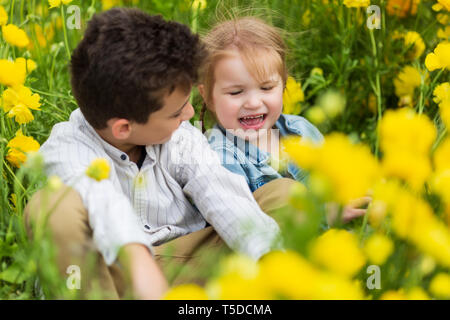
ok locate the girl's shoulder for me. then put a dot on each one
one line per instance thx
(297, 125)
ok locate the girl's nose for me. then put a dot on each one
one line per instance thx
(253, 102)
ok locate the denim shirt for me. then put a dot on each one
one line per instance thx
(241, 157)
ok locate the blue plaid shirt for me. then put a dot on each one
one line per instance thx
(241, 157)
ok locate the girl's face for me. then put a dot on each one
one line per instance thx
(243, 104)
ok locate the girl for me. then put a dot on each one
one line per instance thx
(242, 84)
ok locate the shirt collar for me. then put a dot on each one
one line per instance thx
(252, 152)
(116, 154)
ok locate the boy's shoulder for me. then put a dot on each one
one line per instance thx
(297, 125)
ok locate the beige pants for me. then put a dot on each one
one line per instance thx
(179, 258)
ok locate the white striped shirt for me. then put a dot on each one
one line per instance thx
(154, 204)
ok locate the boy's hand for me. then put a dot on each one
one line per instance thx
(356, 208)
(147, 279)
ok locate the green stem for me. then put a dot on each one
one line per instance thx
(439, 139)
(14, 176)
(12, 11)
(378, 88)
(66, 41)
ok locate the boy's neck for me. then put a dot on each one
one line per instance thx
(133, 151)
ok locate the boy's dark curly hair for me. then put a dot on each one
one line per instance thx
(126, 63)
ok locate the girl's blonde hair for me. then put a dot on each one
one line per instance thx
(260, 45)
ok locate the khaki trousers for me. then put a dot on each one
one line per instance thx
(68, 225)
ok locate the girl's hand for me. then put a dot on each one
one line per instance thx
(355, 209)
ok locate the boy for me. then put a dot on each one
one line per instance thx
(132, 75)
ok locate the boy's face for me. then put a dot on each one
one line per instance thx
(241, 102)
(162, 123)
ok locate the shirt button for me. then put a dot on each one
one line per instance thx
(147, 227)
(123, 157)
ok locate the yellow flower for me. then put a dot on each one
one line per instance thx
(11, 74)
(292, 96)
(15, 36)
(444, 33)
(98, 169)
(277, 268)
(28, 64)
(394, 295)
(444, 110)
(442, 155)
(415, 293)
(406, 139)
(108, 4)
(57, 3)
(3, 16)
(440, 286)
(378, 248)
(445, 4)
(338, 251)
(349, 169)
(442, 92)
(317, 71)
(18, 147)
(440, 58)
(403, 129)
(199, 4)
(356, 3)
(186, 292)
(17, 101)
(21, 113)
(407, 81)
(402, 8)
(414, 39)
(443, 18)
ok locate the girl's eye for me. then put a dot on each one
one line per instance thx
(267, 88)
(234, 93)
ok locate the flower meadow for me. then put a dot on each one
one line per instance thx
(375, 82)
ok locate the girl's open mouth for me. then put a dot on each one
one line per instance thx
(254, 122)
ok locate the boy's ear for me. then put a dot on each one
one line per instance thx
(201, 89)
(120, 128)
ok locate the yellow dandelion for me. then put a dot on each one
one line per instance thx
(98, 169)
(20, 95)
(440, 286)
(357, 3)
(11, 74)
(28, 64)
(3, 16)
(292, 96)
(442, 93)
(445, 4)
(338, 251)
(444, 33)
(15, 36)
(21, 114)
(414, 40)
(378, 248)
(57, 3)
(440, 58)
(408, 79)
(18, 147)
(186, 292)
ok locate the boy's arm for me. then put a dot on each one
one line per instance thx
(224, 198)
(111, 216)
(147, 280)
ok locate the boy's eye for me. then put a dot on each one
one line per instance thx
(267, 88)
(234, 93)
(177, 115)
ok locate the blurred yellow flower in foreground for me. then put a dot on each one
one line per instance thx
(378, 248)
(442, 93)
(292, 96)
(338, 251)
(186, 292)
(3, 16)
(357, 3)
(440, 286)
(57, 3)
(98, 169)
(15, 36)
(444, 33)
(415, 293)
(349, 169)
(440, 58)
(406, 139)
(18, 147)
(445, 4)
(11, 74)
